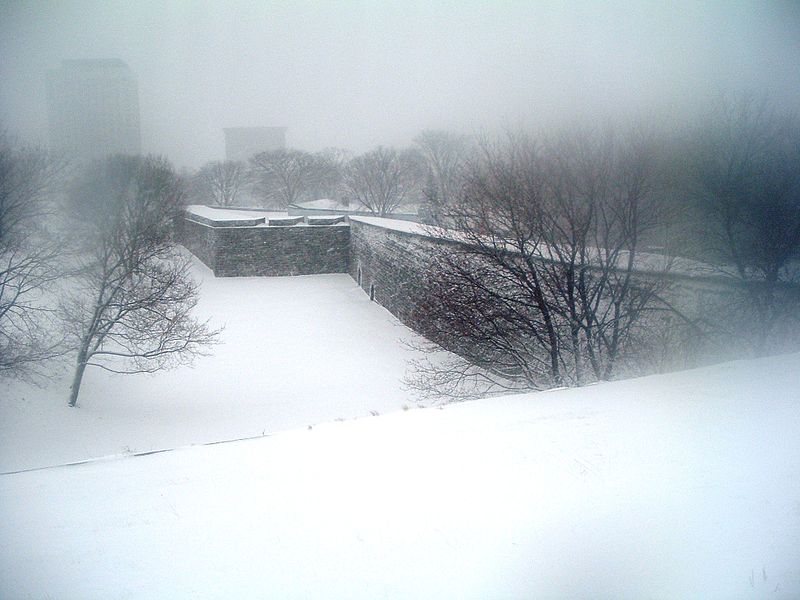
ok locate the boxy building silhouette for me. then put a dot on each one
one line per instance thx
(93, 109)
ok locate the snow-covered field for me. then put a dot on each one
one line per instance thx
(684, 485)
(295, 351)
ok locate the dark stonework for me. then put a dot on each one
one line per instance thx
(391, 266)
(268, 251)
(332, 220)
(198, 238)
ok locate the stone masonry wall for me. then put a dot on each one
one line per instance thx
(268, 251)
(397, 264)
(391, 266)
(198, 238)
(394, 266)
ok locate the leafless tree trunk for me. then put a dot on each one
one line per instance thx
(446, 155)
(326, 174)
(600, 204)
(131, 311)
(488, 302)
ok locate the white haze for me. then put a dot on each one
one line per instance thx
(358, 74)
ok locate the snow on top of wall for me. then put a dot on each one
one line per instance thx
(230, 214)
(328, 204)
(644, 261)
(248, 217)
(332, 204)
(397, 225)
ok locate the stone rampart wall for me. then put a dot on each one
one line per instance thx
(391, 266)
(198, 238)
(394, 266)
(391, 263)
(268, 251)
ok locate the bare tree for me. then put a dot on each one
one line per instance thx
(221, 182)
(326, 174)
(542, 289)
(487, 301)
(745, 170)
(131, 308)
(383, 179)
(282, 177)
(28, 256)
(601, 204)
(445, 155)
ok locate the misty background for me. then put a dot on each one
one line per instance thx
(359, 74)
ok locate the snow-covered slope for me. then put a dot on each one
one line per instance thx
(675, 486)
(295, 351)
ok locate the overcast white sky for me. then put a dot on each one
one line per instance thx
(357, 74)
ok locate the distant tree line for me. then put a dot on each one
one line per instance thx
(543, 291)
(378, 181)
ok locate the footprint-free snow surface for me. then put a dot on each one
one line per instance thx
(295, 351)
(673, 486)
(684, 485)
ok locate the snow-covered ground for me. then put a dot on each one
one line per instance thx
(295, 351)
(674, 486)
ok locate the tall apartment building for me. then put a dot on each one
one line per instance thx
(93, 108)
(242, 142)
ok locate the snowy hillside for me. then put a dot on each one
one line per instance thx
(295, 351)
(675, 486)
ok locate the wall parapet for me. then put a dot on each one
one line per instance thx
(308, 211)
(260, 250)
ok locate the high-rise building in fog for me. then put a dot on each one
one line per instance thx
(93, 108)
(242, 142)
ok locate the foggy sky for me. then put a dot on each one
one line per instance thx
(358, 74)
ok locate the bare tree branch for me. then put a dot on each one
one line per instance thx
(744, 167)
(542, 289)
(28, 256)
(282, 177)
(132, 309)
(221, 182)
(383, 179)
